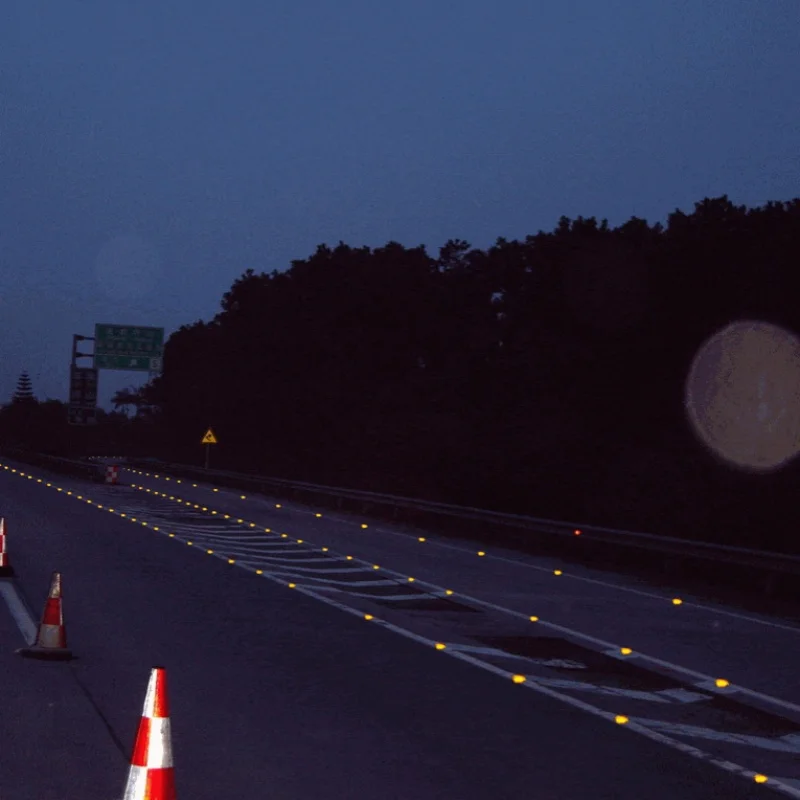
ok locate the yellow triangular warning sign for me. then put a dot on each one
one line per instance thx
(209, 438)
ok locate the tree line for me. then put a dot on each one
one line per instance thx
(541, 376)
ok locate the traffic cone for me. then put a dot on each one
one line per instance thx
(51, 639)
(151, 776)
(5, 566)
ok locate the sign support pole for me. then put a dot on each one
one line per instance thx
(208, 440)
(82, 400)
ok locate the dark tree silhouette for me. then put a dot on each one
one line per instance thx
(24, 390)
(543, 375)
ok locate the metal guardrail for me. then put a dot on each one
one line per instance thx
(772, 568)
(80, 468)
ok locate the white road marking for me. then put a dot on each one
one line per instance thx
(528, 565)
(594, 688)
(684, 695)
(556, 663)
(782, 744)
(788, 787)
(317, 570)
(27, 627)
(699, 679)
(632, 725)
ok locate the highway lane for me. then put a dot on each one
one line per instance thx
(753, 650)
(275, 694)
(697, 641)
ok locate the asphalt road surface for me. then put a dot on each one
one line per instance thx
(277, 693)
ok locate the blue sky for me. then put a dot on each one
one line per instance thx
(152, 150)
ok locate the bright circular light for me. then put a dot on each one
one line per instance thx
(742, 395)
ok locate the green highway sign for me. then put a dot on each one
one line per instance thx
(133, 363)
(128, 347)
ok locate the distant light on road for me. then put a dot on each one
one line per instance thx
(620, 720)
(676, 601)
(518, 678)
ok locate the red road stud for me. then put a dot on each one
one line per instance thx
(51, 638)
(5, 564)
(151, 776)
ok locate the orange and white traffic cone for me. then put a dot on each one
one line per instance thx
(5, 566)
(151, 776)
(51, 639)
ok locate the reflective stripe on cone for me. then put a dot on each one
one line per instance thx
(5, 564)
(51, 638)
(151, 775)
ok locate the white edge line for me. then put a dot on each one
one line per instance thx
(27, 627)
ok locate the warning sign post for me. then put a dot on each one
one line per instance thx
(208, 440)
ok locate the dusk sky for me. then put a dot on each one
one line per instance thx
(152, 150)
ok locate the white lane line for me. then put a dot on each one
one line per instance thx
(782, 744)
(254, 542)
(528, 565)
(602, 645)
(784, 787)
(701, 680)
(632, 725)
(706, 681)
(321, 560)
(27, 627)
(380, 598)
(583, 579)
(330, 582)
(611, 691)
(268, 562)
(684, 695)
(493, 652)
